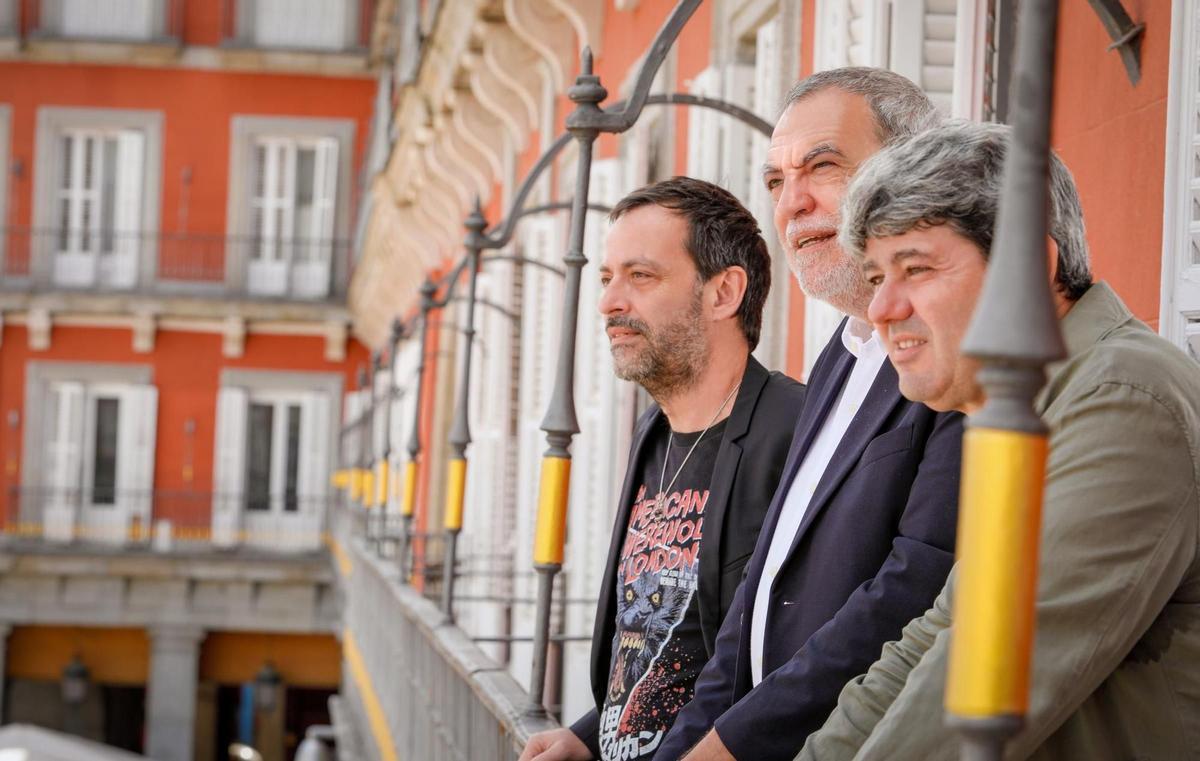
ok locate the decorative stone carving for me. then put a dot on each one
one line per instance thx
(547, 31)
(335, 341)
(38, 325)
(233, 337)
(144, 326)
(587, 18)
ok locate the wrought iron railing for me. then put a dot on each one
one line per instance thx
(162, 520)
(162, 263)
(330, 26)
(158, 21)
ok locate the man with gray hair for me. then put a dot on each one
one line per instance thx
(1116, 671)
(859, 535)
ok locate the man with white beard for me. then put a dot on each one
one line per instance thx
(860, 533)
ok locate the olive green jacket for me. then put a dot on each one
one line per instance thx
(1116, 668)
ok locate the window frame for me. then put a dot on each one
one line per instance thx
(245, 132)
(53, 123)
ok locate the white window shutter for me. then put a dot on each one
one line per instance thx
(229, 463)
(737, 154)
(131, 155)
(136, 430)
(325, 190)
(704, 158)
(64, 460)
(314, 453)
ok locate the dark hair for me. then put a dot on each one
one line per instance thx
(722, 233)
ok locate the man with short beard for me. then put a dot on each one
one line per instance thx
(860, 534)
(685, 276)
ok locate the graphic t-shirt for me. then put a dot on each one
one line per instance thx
(657, 649)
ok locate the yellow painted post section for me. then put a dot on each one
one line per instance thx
(456, 490)
(1000, 511)
(376, 719)
(356, 484)
(551, 530)
(381, 481)
(409, 504)
(341, 479)
(368, 488)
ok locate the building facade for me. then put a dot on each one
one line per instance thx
(479, 95)
(181, 185)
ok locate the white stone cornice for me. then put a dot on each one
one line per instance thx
(587, 18)
(495, 96)
(547, 31)
(517, 67)
(480, 128)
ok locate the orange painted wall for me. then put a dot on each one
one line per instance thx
(303, 660)
(112, 656)
(186, 368)
(795, 350)
(197, 107)
(1113, 137)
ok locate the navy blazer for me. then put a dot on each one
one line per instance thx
(872, 553)
(749, 463)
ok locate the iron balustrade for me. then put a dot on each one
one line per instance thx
(162, 519)
(199, 265)
(287, 25)
(154, 22)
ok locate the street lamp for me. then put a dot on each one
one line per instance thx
(267, 686)
(74, 682)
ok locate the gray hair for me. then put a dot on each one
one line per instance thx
(951, 175)
(899, 106)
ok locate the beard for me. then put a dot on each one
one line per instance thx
(671, 356)
(827, 273)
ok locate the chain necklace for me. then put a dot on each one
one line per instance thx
(660, 500)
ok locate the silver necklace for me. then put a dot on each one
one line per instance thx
(662, 493)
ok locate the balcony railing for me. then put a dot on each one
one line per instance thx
(162, 520)
(150, 21)
(332, 26)
(167, 264)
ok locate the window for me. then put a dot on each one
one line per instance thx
(103, 456)
(96, 184)
(298, 24)
(123, 20)
(295, 184)
(271, 456)
(97, 226)
(289, 203)
(95, 462)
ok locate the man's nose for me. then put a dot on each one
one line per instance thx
(612, 299)
(795, 198)
(889, 304)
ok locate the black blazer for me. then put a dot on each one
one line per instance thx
(872, 552)
(749, 463)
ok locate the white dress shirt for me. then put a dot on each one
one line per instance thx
(864, 344)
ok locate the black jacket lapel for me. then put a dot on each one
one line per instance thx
(720, 487)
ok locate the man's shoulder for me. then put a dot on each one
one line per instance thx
(783, 386)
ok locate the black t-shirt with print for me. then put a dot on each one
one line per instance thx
(658, 650)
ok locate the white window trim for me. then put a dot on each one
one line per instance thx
(244, 131)
(52, 121)
(1181, 105)
(39, 375)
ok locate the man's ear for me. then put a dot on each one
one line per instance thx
(729, 290)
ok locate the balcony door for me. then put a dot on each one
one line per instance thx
(301, 24)
(99, 471)
(271, 468)
(98, 216)
(295, 194)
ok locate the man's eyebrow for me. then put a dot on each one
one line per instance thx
(769, 168)
(817, 150)
(905, 254)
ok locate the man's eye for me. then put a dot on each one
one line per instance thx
(773, 183)
(916, 269)
(875, 280)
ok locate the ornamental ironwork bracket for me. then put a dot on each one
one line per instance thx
(1126, 36)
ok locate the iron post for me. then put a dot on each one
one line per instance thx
(408, 502)
(1014, 333)
(397, 335)
(460, 429)
(585, 123)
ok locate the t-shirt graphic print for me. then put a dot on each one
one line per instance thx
(657, 649)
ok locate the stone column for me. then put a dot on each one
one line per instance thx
(171, 694)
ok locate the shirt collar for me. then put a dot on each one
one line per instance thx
(860, 338)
